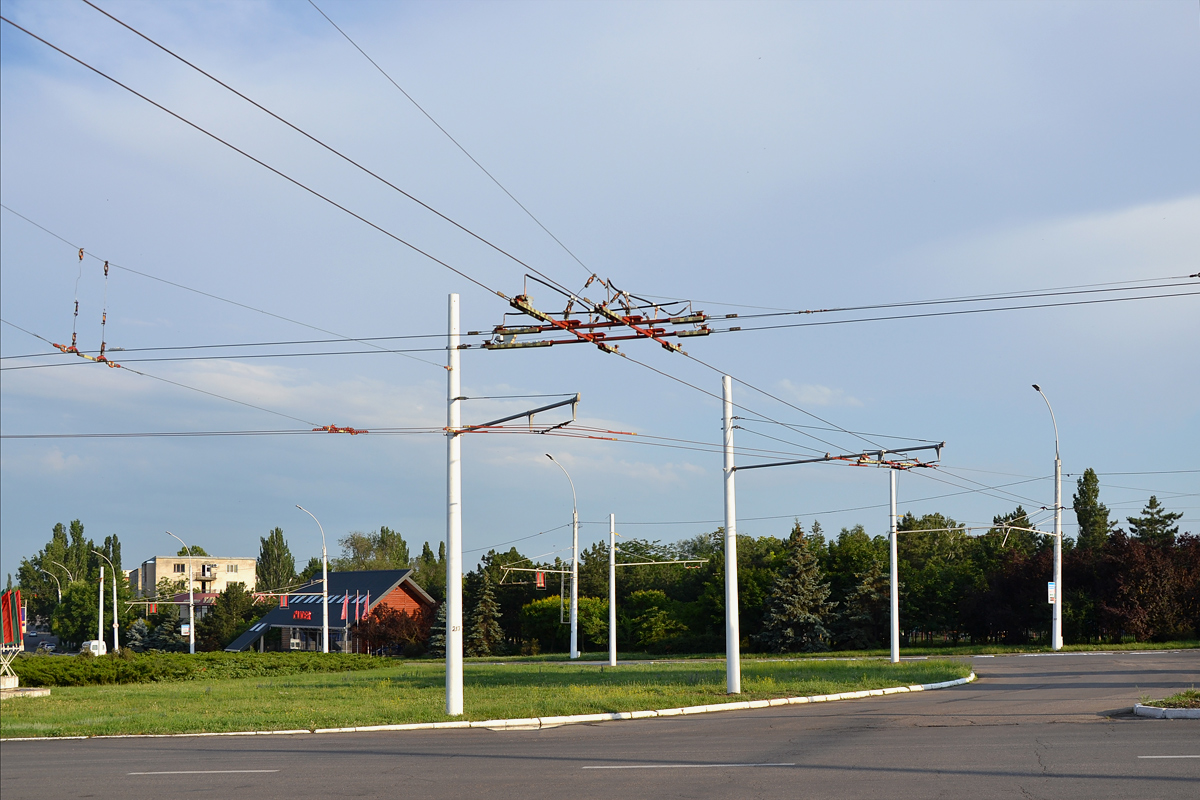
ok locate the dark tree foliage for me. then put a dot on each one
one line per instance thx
(429, 571)
(1156, 525)
(276, 567)
(138, 639)
(866, 612)
(196, 549)
(799, 605)
(437, 634)
(381, 549)
(311, 570)
(1091, 514)
(230, 615)
(484, 637)
(396, 631)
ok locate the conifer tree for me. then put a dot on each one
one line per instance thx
(485, 637)
(864, 621)
(137, 638)
(1156, 524)
(799, 605)
(1090, 512)
(437, 634)
(276, 566)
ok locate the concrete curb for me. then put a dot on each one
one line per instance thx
(537, 723)
(1155, 712)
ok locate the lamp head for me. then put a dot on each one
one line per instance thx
(1035, 386)
(549, 456)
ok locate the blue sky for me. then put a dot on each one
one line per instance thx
(741, 155)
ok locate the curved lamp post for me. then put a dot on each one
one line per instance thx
(56, 581)
(1056, 638)
(116, 647)
(574, 562)
(191, 598)
(69, 575)
(324, 584)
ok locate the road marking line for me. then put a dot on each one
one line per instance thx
(690, 766)
(1168, 756)
(204, 772)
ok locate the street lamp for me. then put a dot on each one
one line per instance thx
(574, 563)
(56, 581)
(324, 584)
(116, 647)
(69, 575)
(191, 598)
(1056, 618)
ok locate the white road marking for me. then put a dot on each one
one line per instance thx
(690, 766)
(204, 772)
(1168, 756)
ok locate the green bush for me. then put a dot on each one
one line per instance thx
(130, 667)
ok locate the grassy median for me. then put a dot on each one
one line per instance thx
(413, 691)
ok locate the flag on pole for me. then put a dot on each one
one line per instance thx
(345, 605)
(357, 606)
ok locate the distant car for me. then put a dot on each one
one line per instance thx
(45, 647)
(94, 646)
(32, 634)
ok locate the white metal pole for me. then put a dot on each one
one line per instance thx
(454, 631)
(894, 558)
(612, 590)
(733, 654)
(574, 562)
(324, 582)
(100, 620)
(1058, 587)
(191, 597)
(1056, 641)
(575, 583)
(115, 629)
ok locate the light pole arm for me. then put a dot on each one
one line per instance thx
(69, 575)
(574, 504)
(1053, 421)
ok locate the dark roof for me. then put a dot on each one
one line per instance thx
(372, 585)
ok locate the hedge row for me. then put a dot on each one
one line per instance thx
(130, 667)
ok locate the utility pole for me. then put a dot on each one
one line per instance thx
(324, 582)
(612, 590)
(1056, 617)
(454, 631)
(733, 654)
(894, 559)
(100, 619)
(115, 625)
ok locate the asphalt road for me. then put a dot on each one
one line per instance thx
(1032, 726)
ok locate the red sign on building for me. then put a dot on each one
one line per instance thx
(298, 614)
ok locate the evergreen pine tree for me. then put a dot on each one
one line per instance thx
(276, 566)
(137, 638)
(484, 634)
(1155, 525)
(798, 606)
(1090, 512)
(864, 621)
(437, 634)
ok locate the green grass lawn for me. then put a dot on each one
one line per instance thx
(413, 691)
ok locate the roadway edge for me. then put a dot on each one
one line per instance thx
(537, 723)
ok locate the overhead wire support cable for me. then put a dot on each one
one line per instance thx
(322, 144)
(218, 298)
(438, 125)
(262, 163)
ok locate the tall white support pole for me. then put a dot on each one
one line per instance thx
(191, 595)
(894, 558)
(733, 654)
(324, 581)
(100, 619)
(1058, 586)
(574, 582)
(454, 611)
(1056, 640)
(116, 648)
(612, 590)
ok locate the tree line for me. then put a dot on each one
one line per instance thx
(802, 592)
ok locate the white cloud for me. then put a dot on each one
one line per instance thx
(810, 394)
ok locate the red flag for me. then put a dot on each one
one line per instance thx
(357, 606)
(153, 608)
(283, 601)
(345, 605)
(366, 604)
(541, 580)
